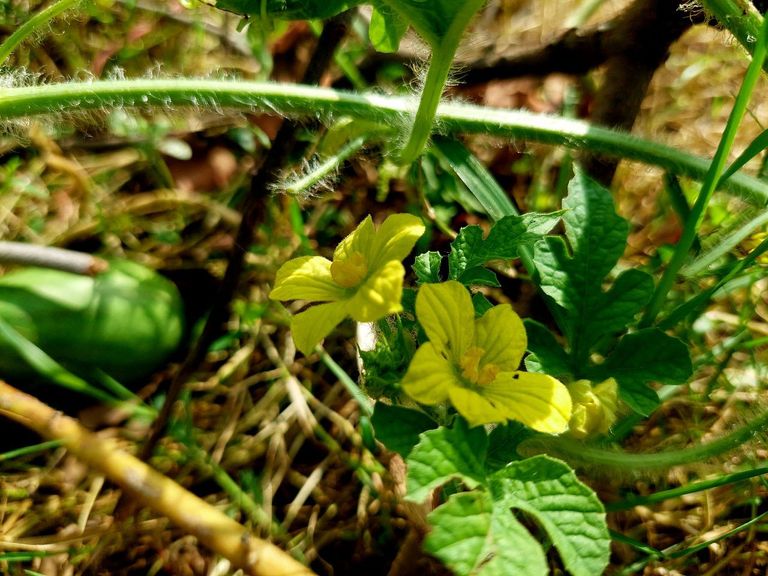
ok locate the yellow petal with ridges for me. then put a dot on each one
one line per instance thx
(429, 377)
(360, 240)
(311, 326)
(379, 295)
(395, 239)
(445, 312)
(537, 400)
(306, 278)
(475, 408)
(501, 333)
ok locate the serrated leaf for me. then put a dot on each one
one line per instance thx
(470, 536)
(427, 267)
(470, 250)
(547, 355)
(569, 511)
(386, 29)
(630, 292)
(398, 428)
(574, 277)
(645, 356)
(445, 454)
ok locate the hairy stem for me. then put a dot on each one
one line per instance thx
(608, 459)
(304, 101)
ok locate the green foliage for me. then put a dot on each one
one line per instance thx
(398, 428)
(477, 532)
(573, 276)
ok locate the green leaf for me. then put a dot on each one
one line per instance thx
(569, 511)
(471, 536)
(286, 9)
(470, 250)
(445, 454)
(481, 304)
(645, 356)
(398, 428)
(574, 278)
(502, 444)
(386, 29)
(475, 177)
(436, 19)
(547, 355)
(427, 267)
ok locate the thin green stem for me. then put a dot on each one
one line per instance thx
(740, 17)
(29, 27)
(326, 167)
(614, 460)
(325, 103)
(439, 69)
(711, 181)
(662, 495)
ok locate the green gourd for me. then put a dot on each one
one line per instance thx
(125, 321)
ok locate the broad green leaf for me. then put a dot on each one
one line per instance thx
(574, 277)
(502, 444)
(547, 355)
(481, 304)
(645, 356)
(470, 250)
(445, 454)
(427, 267)
(398, 428)
(435, 20)
(386, 29)
(286, 9)
(569, 511)
(472, 536)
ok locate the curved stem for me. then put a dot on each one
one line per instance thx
(579, 453)
(299, 100)
(38, 20)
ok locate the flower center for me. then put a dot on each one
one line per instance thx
(350, 271)
(473, 371)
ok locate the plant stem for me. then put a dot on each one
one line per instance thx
(35, 22)
(610, 460)
(740, 17)
(298, 100)
(711, 181)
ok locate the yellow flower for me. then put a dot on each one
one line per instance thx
(474, 364)
(364, 280)
(594, 407)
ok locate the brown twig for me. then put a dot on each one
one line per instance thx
(253, 211)
(210, 526)
(50, 257)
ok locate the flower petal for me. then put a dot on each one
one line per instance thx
(379, 295)
(430, 376)
(501, 333)
(360, 240)
(314, 324)
(307, 278)
(475, 408)
(394, 239)
(446, 313)
(536, 400)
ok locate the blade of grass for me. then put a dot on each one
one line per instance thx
(711, 180)
(30, 26)
(753, 149)
(692, 488)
